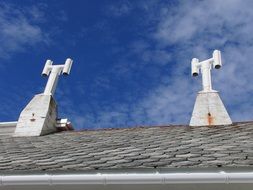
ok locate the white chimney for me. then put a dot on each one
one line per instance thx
(40, 116)
(208, 109)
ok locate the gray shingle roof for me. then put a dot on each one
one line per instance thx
(142, 147)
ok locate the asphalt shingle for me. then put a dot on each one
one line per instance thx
(141, 147)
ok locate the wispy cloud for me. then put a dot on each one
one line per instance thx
(198, 27)
(22, 28)
(120, 8)
(194, 29)
(177, 33)
(19, 29)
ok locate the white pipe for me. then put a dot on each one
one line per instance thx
(129, 178)
(52, 81)
(56, 70)
(60, 123)
(206, 67)
(206, 76)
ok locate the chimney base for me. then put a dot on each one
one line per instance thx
(209, 110)
(38, 117)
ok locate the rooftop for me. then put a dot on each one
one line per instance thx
(163, 147)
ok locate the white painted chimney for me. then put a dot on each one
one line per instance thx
(208, 109)
(40, 116)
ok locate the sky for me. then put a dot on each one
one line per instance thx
(131, 58)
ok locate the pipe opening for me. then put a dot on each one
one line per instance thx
(195, 74)
(217, 66)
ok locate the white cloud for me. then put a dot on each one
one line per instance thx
(203, 19)
(186, 30)
(120, 8)
(19, 29)
(198, 27)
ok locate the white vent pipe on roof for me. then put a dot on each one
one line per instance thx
(54, 71)
(205, 67)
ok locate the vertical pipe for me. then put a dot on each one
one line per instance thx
(206, 76)
(52, 81)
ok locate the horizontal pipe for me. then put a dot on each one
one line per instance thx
(129, 178)
(8, 124)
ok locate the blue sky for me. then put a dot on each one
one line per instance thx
(131, 58)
